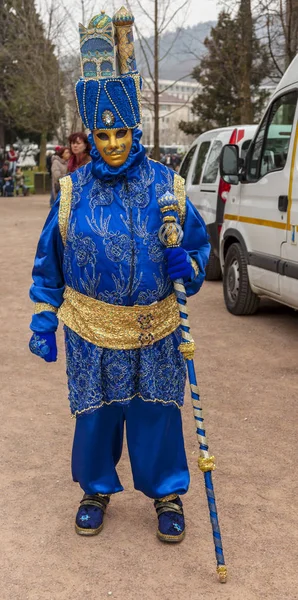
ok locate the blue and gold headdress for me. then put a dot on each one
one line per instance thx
(109, 93)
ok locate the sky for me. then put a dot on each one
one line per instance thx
(70, 13)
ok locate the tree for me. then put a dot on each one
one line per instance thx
(278, 26)
(230, 81)
(30, 81)
(162, 16)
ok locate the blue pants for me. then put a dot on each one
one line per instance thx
(155, 445)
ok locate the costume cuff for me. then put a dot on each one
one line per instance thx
(45, 319)
(195, 267)
(43, 306)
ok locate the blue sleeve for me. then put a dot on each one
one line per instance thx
(196, 243)
(48, 281)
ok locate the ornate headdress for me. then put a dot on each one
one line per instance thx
(109, 93)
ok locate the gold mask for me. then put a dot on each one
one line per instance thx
(113, 145)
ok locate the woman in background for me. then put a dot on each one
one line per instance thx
(80, 151)
(59, 168)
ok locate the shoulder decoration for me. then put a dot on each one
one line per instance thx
(109, 92)
(179, 192)
(65, 205)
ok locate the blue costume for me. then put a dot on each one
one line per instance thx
(101, 268)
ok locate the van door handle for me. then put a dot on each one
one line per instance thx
(283, 202)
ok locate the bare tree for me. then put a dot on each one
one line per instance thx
(157, 17)
(278, 23)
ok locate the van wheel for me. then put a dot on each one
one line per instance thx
(239, 298)
(213, 270)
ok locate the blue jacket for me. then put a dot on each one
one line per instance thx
(112, 251)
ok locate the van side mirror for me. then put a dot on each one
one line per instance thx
(230, 164)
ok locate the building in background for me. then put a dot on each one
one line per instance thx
(175, 104)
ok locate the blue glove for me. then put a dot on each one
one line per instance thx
(179, 264)
(44, 345)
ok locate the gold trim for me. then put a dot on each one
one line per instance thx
(119, 327)
(188, 350)
(167, 498)
(206, 463)
(290, 192)
(253, 221)
(195, 266)
(171, 538)
(82, 531)
(43, 306)
(98, 406)
(222, 573)
(179, 192)
(65, 204)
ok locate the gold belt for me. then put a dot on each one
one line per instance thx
(119, 327)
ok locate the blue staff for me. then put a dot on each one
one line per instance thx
(171, 235)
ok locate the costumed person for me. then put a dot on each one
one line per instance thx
(101, 266)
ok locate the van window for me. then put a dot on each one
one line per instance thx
(187, 162)
(244, 148)
(271, 145)
(204, 147)
(212, 164)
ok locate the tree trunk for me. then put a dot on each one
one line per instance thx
(291, 43)
(156, 150)
(246, 27)
(43, 149)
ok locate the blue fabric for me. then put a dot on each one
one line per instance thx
(44, 345)
(98, 376)
(95, 97)
(101, 170)
(170, 522)
(48, 279)
(155, 445)
(113, 253)
(44, 321)
(197, 244)
(89, 517)
(178, 264)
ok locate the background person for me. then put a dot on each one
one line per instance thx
(59, 169)
(80, 151)
(20, 182)
(12, 157)
(6, 180)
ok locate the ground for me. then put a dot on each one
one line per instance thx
(247, 371)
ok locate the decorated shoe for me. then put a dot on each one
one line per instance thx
(89, 519)
(171, 525)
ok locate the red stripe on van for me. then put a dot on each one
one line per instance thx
(240, 136)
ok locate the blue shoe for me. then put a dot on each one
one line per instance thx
(89, 519)
(171, 524)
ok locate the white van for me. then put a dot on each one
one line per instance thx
(258, 242)
(205, 188)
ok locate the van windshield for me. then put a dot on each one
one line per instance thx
(212, 164)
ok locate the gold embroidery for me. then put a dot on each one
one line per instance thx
(195, 266)
(119, 327)
(42, 306)
(179, 192)
(65, 204)
(98, 406)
